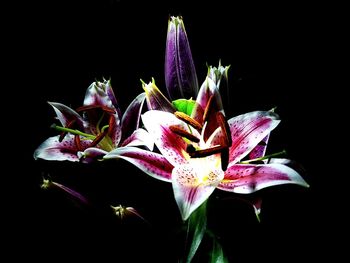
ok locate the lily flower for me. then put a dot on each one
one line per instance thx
(180, 73)
(196, 166)
(99, 129)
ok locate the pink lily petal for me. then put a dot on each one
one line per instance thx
(208, 89)
(245, 179)
(151, 163)
(247, 130)
(171, 145)
(53, 150)
(101, 94)
(91, 154)
(193, 185)
(260, 149)
(96, 95)
(212, 106)
(66, 115)
(139, 137)
(131, 117)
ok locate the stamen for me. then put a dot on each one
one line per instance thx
(225, 128)
(207, 152)
(265, 157)
(183, 133)
(207, 108)
(190, 148)
(78, 143)
(111, 124)
(91, 107)
(63, 134)
(98, 138)
(224, 158)
(184, 117)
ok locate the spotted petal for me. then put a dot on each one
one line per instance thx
(260, 149)
(101, 93)
(245, 179)
(96, 95)
(193, 184)
(247, 130)
(139, 137)
(91, 154)
(151, 163)
(53, 150)
(66, 115)
(172, 146)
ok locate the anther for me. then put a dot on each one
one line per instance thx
(63, 134)
(98, 138)
(207, 108)
(78, 143)
(207, 152)
(224, 158)
(91, 107)
(183, 133)
(225, 128)
(184, 117)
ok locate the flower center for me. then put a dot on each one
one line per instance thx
(99, 134)
(225, 138)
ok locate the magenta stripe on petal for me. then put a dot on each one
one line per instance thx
(151, 163)
(171, 145)
(245, 179)
(248, 130)
(53, 150)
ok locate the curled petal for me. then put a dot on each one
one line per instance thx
(66, 115)
(248, 130)
(101, 93)
(155, 98)
(210, 101)
(245, 179)
(53, 150)
(91, 154)
(140, 137)
(260, 149)
(180, 73)
(131, 117)
(193, 185)
(151, 163)
(170, 144)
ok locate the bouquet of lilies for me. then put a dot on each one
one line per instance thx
(184, 138)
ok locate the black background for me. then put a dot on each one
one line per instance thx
(58, 49)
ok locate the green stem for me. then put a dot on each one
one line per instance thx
(76, 132)
(264, 157)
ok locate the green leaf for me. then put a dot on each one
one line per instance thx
(197, 225)
(185, 106)
(217, 254)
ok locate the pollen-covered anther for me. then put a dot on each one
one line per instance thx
(227, 140)
(184, 117)
(183, 133)
(207, 152)
(92, 107)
